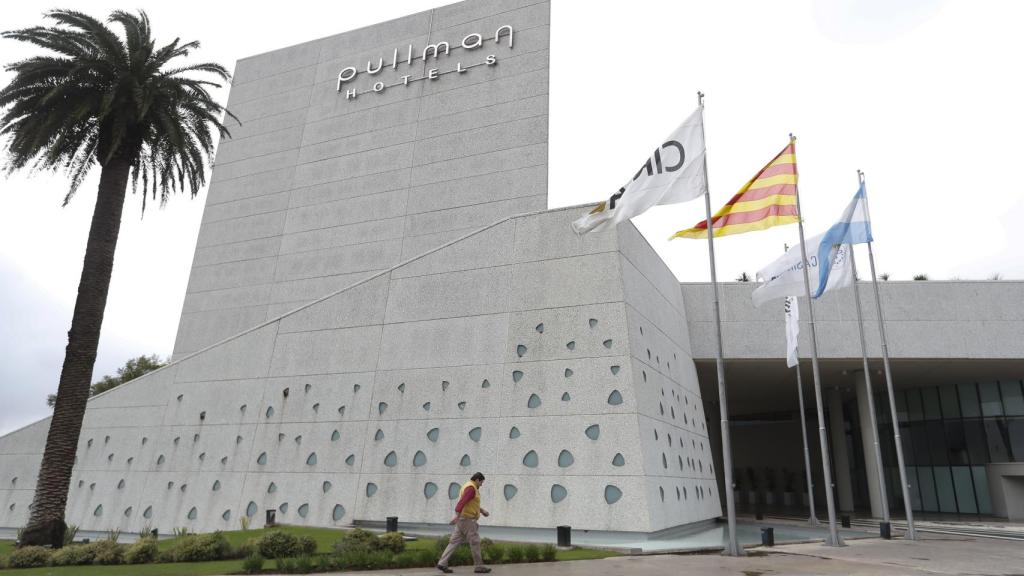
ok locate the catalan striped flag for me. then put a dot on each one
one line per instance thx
(768, 199)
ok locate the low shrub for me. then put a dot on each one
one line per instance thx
(548, 552)
(72, 555)
(253, 564)
(307, 545)
(142, 552)
(442, 543)
(515, 553)
(200, 548)
(300, 565)
(531, 552)
(391, 541)
(278, 544)
(494, 553)
(246, 549)
(356, 540)
(361, 559)
(461, 557)
(106, 552)
(29, 557)
(411, 559)
(165, 556)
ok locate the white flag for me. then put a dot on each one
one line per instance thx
(674, 173)
(785, 276)
(792, 331)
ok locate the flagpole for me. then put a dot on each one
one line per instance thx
(870, 391)
(910, 533)
(813, 519)
(834, 538)
(732, 547)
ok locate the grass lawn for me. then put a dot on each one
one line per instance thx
(325, 539)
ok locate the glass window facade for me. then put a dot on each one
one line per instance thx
(949, 434)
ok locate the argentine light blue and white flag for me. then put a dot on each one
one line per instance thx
(854, 227)
(785, 276)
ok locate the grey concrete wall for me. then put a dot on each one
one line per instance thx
(676, 449)
(1006, 488)
(500, 352)
(315, 191)
(924, 320)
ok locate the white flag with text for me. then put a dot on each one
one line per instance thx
(792, 331)
(673, 173)
(785, 276)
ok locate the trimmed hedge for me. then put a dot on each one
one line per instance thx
(72, 555)
(356, 550)
(299, 565)
(142, 552)
(359, 540)
(198, 548)
(29, 557)
(253, 564)
(106, 552)
(278, 544)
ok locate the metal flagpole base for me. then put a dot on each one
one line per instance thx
(813, 521)
(730, 551)
(838, 543)
(911, 535)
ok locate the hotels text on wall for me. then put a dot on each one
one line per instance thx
(407, 56)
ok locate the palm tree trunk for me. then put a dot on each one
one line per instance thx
(46, 524)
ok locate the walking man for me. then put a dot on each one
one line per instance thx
(467, 511)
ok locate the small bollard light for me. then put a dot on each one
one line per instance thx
(885, 529)
(845, 520)
(767, 536)
(391, 524)
(154, 533)
(564, 536)
(759, 514)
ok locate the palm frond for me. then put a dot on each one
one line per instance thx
(99, 95)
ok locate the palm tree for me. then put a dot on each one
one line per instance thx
(117, 102)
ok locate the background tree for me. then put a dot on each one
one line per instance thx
(920, 277)
(131, 370)
(118, 102)
(743, 277)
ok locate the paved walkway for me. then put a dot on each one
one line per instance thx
(933, 555)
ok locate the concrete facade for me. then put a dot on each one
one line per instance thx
(962, 320)
(379, 306)
(315, 191)
(941, 335)
(558, 365)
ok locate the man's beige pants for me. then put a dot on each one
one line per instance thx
(465, 530)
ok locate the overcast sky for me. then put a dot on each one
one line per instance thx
(925, 96)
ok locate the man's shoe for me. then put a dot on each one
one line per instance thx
(482, 570)
(444, 569)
